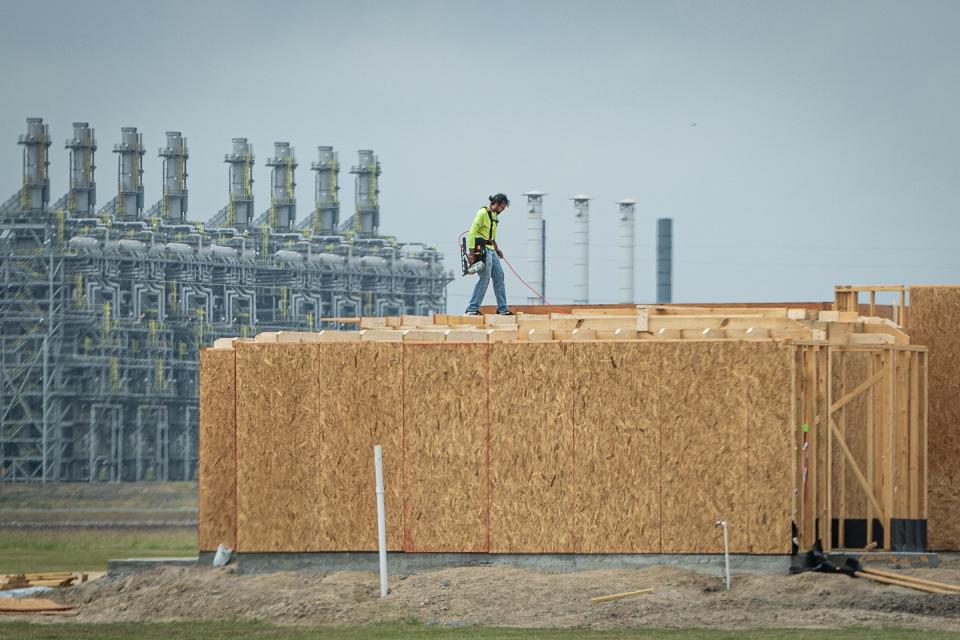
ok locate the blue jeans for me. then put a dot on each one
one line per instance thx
(493, 269)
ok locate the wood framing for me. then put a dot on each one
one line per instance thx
(891, 432)
(757, 415)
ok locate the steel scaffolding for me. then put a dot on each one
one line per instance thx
(101, 318)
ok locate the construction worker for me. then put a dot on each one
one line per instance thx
(484, 255)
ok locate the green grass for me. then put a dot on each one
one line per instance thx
(99, 495)
(34, 550)
(240, 630)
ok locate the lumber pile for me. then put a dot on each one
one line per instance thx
(641, 322)
(51, 579)
(35, 606)
(909, 582)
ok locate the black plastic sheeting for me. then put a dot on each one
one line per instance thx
(905, 534)
(816, 560)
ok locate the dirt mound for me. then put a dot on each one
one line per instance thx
(502, 596)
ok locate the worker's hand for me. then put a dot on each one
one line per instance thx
(499, 253)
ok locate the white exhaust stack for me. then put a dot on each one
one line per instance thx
(581, 249)
(536, 245)
(626, 250)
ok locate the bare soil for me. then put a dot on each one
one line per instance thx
(499, 596)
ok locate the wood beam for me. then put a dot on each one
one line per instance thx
(858, 474)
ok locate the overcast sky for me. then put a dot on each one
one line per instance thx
(825, 146)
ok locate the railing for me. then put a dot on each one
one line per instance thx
(847, 298)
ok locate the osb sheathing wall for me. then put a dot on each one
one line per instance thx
(446, 446)
(629, 447)
(533, 479)
(308, 416)
(278, 448)
(218, 453)
(361, 404)
(726, 446)
(934, 321)
(617, 443)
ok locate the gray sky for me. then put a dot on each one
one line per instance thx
(825, 149)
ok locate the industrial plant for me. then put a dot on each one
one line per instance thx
(103, 310)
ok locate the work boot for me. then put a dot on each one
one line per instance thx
(472, 313)
(506, 313)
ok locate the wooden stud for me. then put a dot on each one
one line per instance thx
(842, 491)
(797, 449)
(810, 399)
(924, 512)
(869, 442)
(820, 447)
(914, 469)
(828, 498)
(888, 446)
(901, 487)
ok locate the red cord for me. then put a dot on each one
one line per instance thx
(525, 283)
(537, 293)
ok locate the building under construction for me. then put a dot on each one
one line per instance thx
(103, 309)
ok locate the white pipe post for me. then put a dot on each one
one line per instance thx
(535, 243)
(726, 552)
(581, 249)
(381, 520)
(626, 250)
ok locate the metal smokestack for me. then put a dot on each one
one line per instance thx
(664, 260)
(129, 201)
(326, 215)
(36, 180)
(240, 177)
(536, 244)
(283, 203)
(626, 250)
(581, 249)
(174, 203)
(83, 189)
(367, 197)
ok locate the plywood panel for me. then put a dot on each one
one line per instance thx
(934, 321)
(705, 474)
(360, 406)
(532, 473)
(770, 441)
(278, 418)
(446, 439)
(217, 503)
(943, 524)
(617, 436)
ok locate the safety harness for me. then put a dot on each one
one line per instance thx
(479, 244)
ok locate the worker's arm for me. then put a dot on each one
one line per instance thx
(496, 248)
